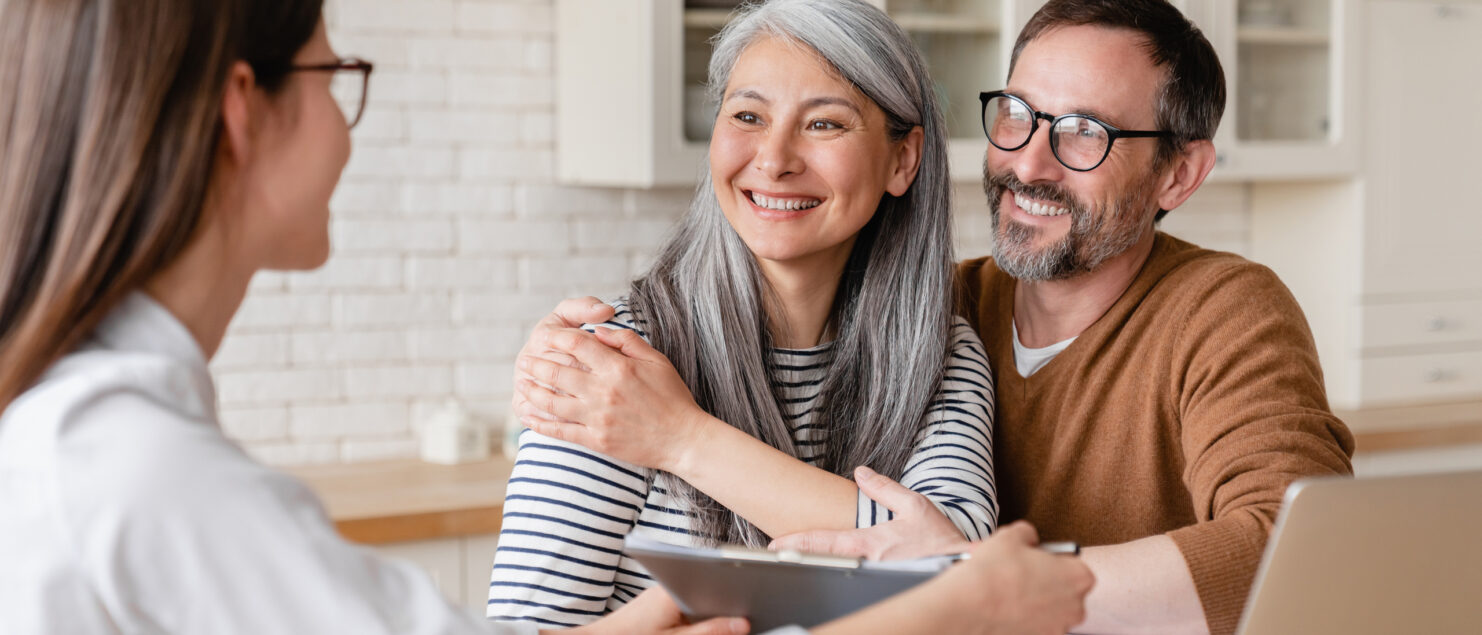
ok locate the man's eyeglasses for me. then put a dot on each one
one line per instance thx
(349, 84)
(1079, 142)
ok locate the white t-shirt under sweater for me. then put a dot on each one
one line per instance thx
(1028, 361)
(567, 509)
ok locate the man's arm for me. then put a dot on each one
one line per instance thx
(1253, 417)
(1142, 586)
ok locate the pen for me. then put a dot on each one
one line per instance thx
(1066, 548)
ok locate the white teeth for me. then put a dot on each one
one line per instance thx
(784, 204)
(1037, 209)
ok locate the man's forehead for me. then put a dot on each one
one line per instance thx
(1103, 72)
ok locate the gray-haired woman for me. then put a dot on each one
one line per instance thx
(800, 324)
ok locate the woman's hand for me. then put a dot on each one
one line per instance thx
(654, 612)
(919, 529)
(610, 392)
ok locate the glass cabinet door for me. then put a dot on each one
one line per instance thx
(703, 19)
(961, 40)
(1284, 51)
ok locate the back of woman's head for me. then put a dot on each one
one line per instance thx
(891, 313)
(109, 127)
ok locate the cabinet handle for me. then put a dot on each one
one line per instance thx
(1437, 375)
(1436, 324)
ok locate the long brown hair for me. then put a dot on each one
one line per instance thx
(109, 125)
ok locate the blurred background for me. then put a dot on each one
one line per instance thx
(517, 152)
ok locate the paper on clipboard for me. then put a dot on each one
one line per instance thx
(774, 589)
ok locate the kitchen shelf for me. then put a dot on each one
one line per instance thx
(706, 18)
(1282, 36)
(944, 23)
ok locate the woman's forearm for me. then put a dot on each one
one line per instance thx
(778, 493)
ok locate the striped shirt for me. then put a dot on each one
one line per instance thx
(567, 509)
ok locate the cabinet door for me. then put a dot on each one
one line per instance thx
(1423, 231)
(1291, 75)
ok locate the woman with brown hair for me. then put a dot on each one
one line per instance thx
(154, 155)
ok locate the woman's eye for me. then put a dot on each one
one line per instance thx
(747, 117)
(824, 124)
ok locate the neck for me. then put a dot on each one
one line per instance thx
(1047, 312)
(203, 288)
(803, 294)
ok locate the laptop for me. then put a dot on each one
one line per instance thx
(1373, 555)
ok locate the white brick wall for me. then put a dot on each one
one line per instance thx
(452, 238)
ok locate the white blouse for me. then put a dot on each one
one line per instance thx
(125, 509)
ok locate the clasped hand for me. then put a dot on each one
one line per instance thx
(609, 391)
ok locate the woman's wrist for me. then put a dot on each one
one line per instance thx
(691, 448)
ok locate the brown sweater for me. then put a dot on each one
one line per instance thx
(1186, 409)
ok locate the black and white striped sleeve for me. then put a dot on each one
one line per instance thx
(566, 512)
(953, 461)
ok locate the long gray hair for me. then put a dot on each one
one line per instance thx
(702, 301)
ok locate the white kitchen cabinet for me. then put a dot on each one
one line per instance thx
(458, 566)
(1292, 72)
(631, 109)
(1387, 265)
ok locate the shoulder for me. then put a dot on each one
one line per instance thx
(1220, 286)
(965, 345)
(129, 450)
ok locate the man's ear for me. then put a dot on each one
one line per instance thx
(236, 113)
(1186, 174)
(907, 162)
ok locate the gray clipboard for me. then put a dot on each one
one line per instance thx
(773, 589)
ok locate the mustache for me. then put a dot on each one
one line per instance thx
(996, 182)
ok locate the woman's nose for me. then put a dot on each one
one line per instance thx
(777, 154)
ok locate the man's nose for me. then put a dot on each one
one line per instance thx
(1036, 161)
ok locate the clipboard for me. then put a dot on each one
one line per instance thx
(774, 588)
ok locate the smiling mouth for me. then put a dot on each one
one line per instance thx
(1036, 208)
(789, 204)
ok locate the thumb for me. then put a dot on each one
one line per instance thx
(716, 626)
(1019, 532)
(574, 312)
(894, 496)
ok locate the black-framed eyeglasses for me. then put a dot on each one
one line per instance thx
(1079, 142)
(349, 84)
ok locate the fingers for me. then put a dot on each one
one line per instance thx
(896, 497)
(568, 432)
(716, 626)
(843, 543)
(584, 347)
(562, 377)
(628, 343)
(574, 312)
(560, 406)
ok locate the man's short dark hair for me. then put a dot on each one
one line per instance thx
(1192, 98)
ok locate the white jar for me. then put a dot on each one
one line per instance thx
(451, 435)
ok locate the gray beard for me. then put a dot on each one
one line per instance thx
(1093, 239)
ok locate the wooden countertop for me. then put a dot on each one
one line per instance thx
(398, 501)
(1412, 427)
(405, 500)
